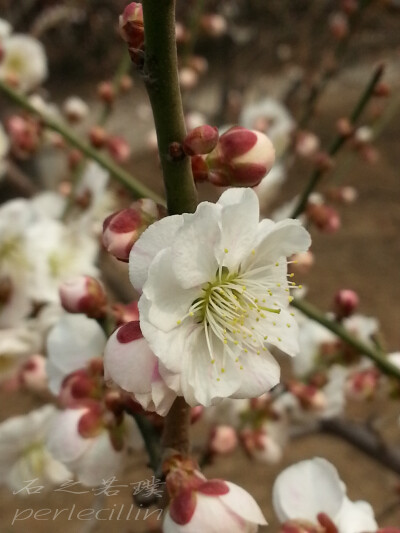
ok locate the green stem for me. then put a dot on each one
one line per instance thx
(376, 356)
(162, 82)
(151, 439)
(161, 75)
(118, 173)
(339, 141)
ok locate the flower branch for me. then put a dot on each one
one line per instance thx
(118, 173)
(377, 357)
(340, 140)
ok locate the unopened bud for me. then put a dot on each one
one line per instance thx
(363, 385)
(344, 127)
(346, 194)
(196, 413)
(309, 396)
(349, 6)
(98, 136)
(241, 158)
(122, 229)
(201, 140)
(75, 109)
(324, 217)
(223, 440)
(339, 25)
(83, 294)
(91, 423)
(382, 90)
(131, 28)
(323, 162)
(199, 64)
(199, 168)
(32, 373)
(188, 78)
(119, 149)
(302, 262)
(24, 134)
(259, 445)
(307, 144)
(214, 25)
(106, 92)
(346, 303)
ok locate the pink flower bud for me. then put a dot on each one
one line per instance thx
(32, 373)
(106, 92)
(223, 440)
(309, 396)
(131, 27)
(83, 294)
(98, 136)
(125, 83)
(119, 149)
(90, 423)
(363, 385)
(122, 229)
(307, 144)
(345, 303)
(201, 140)
(214, 25)
(188, 78)
(259, 445)
(241, 158)
(339, 25)
(199, 168)
(324, 217)
(25, 135)
(346, 194)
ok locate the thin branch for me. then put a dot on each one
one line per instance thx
(339, 141)
(118, 173)
(376, 356)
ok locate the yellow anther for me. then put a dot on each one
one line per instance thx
(290, 298)
(226, 250)
(278, 284)
(212, 361)
(222, 370)
(266, 337)
(288, 325)
(191, 313)
(277, 264)
(241, 368)
(218, 379)
(246, 350)
(253, 252)
(274, 323)
(179, 322)
(279, 339)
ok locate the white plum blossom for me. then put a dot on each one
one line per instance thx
(60, 252)
(310, 487)
(23, 452)
(5, 29)
(24, 61)
(216, 296)
(71, 343)
(92, 459)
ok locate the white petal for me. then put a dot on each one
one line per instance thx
(194, 262)
(64, 441)
(307, 488)
(283, 332)
(169, 301)
(158, 236)
(259, 374)
(355, 517)
(239, 221)
(241, 502)
(130, 365)
(283, 240)
(73, 341)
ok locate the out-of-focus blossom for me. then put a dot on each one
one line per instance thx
(71, 344)
(24, 62)
(310, 488)
(75, 109)
(23, 452)
(78, 439)
(83, 294)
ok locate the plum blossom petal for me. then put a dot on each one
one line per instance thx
(72, 342)
(158, 236)
(355, 517)
(307, 488)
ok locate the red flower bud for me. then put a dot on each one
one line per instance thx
(241, 158)
(346, 302)
(214, 25)
(131, 28)
(324, 217)
(199, 168)
(98, 136)
(339, 25)
(106, 92)
(122, 229)
(119, 149)
(83, 294)
(24, 134)
(201, 140)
